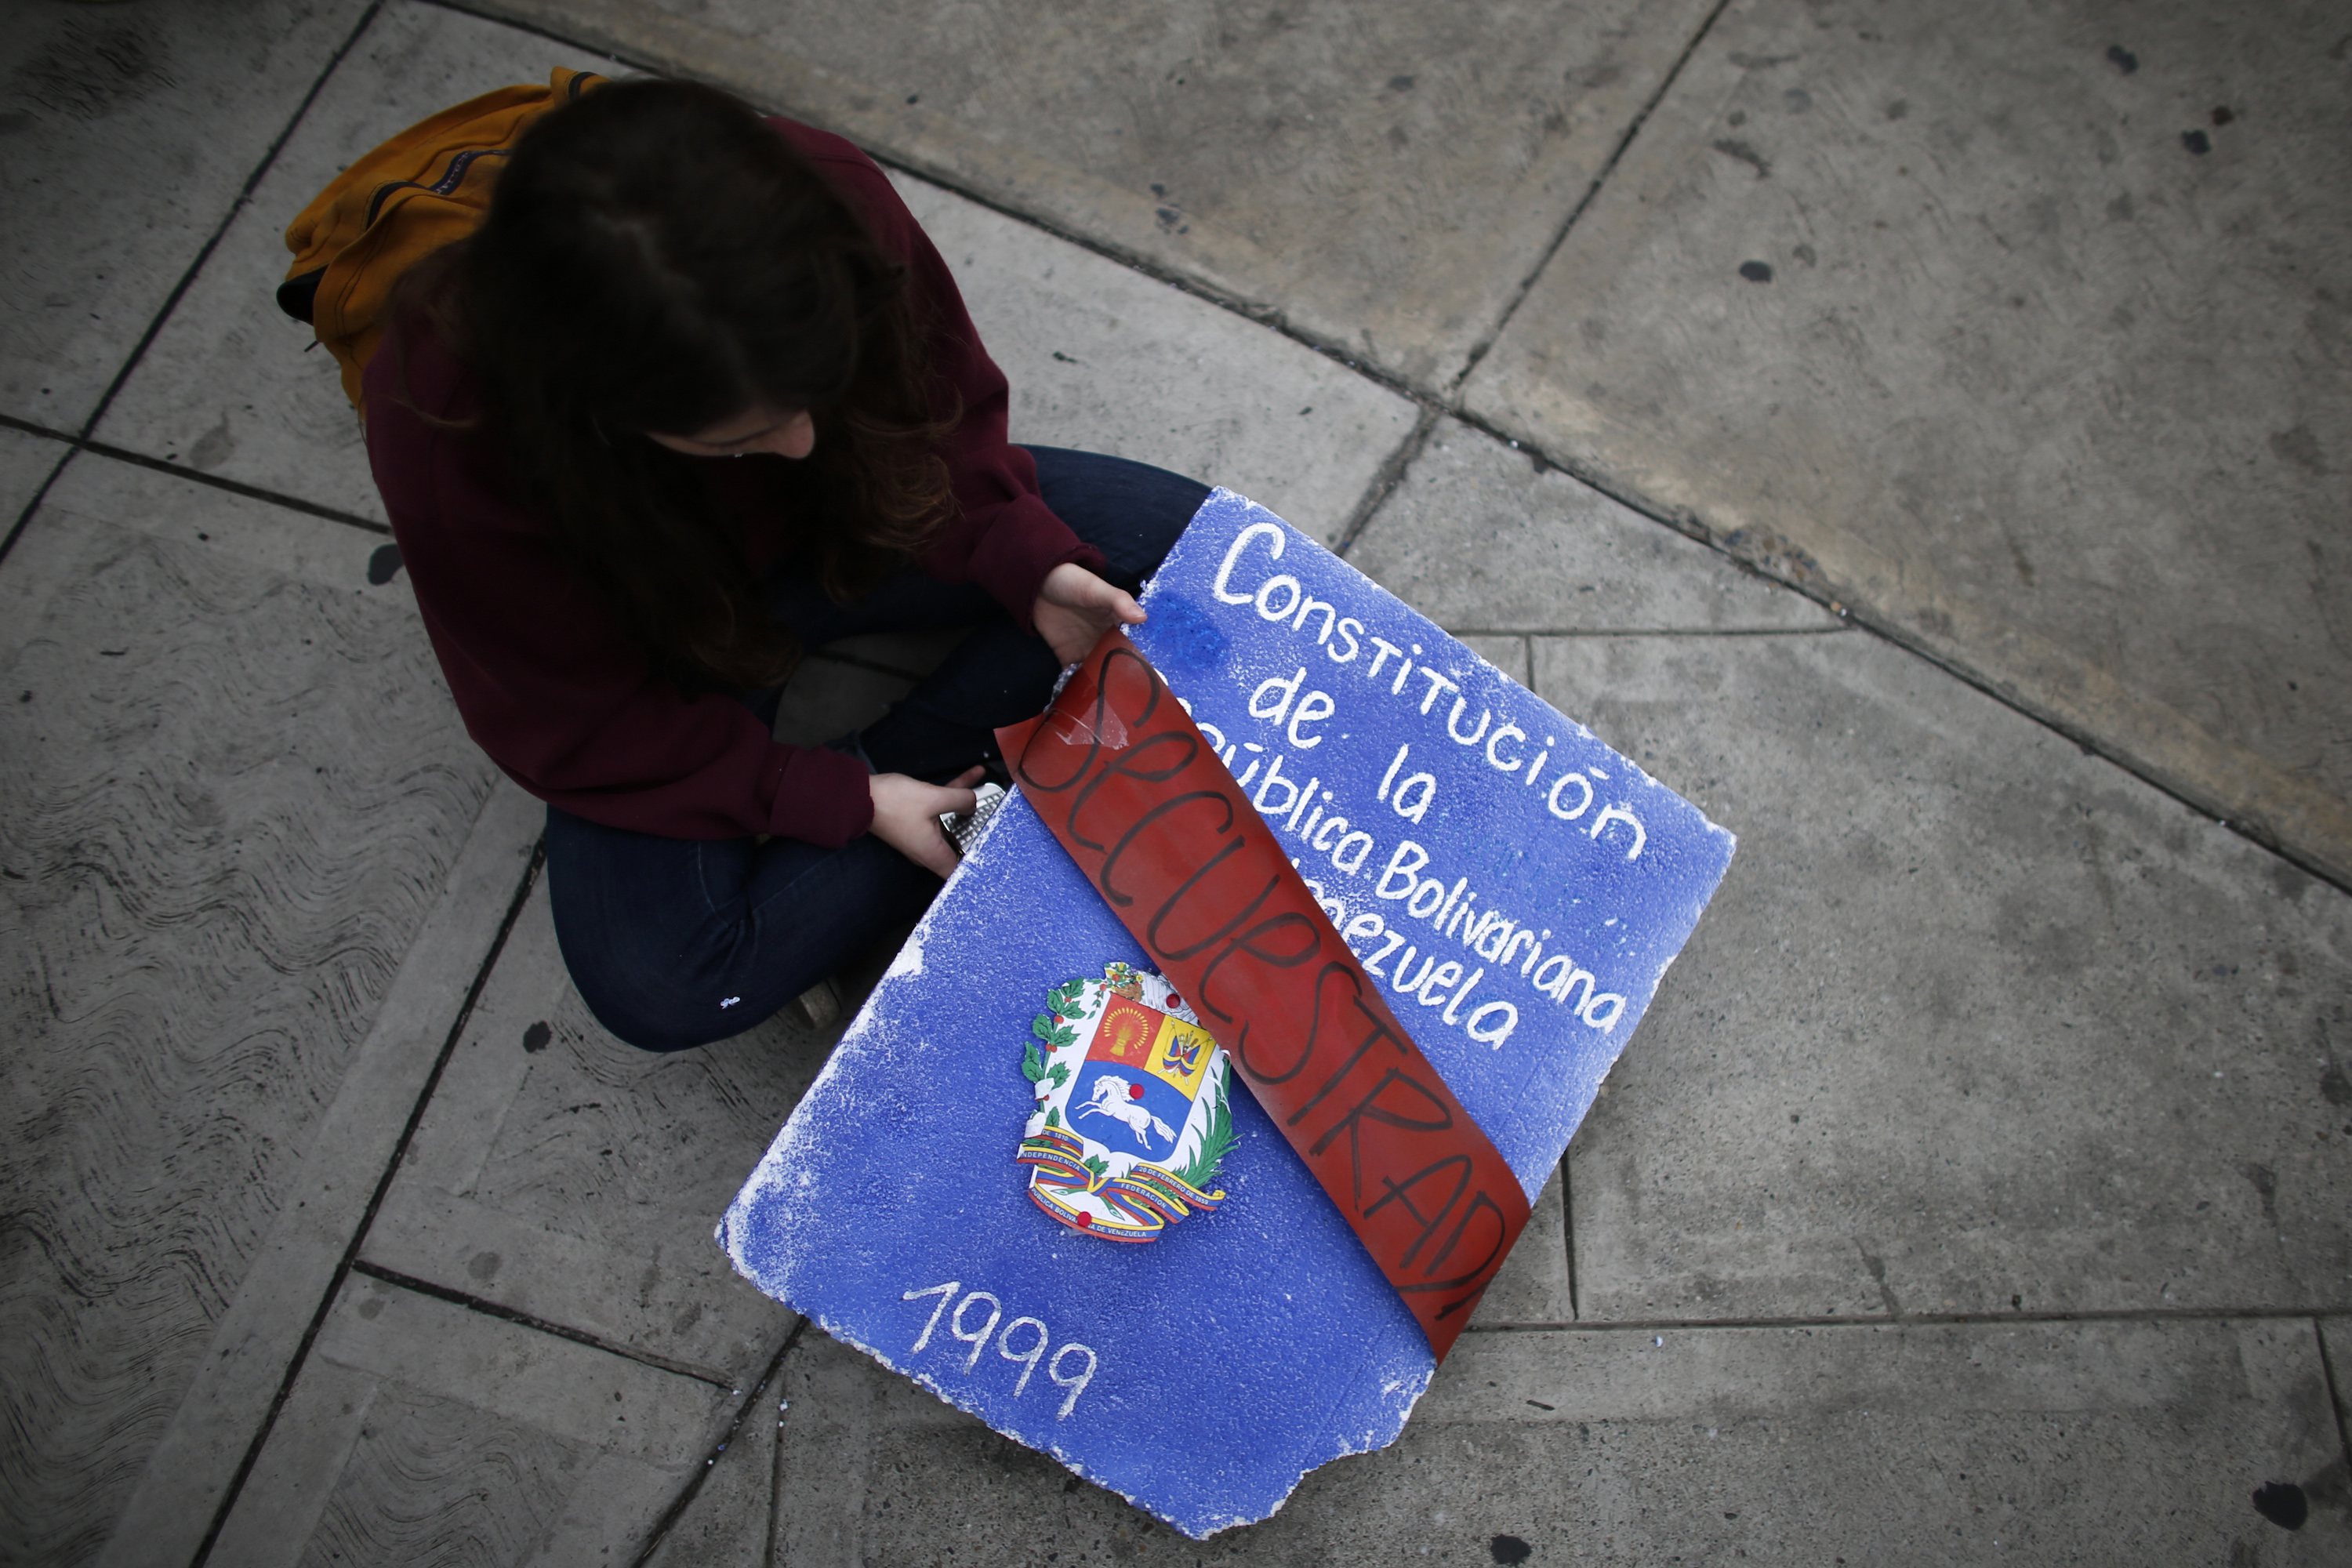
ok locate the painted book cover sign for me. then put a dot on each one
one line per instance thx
(1030, 1181)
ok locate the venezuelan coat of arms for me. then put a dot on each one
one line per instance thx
(1131, 1118)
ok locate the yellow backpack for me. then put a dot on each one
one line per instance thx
(425, 188)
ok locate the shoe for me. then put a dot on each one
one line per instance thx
(814, 1008)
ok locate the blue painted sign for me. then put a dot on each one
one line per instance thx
(1020, 1095)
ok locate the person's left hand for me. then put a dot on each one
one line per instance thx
(1074, 607)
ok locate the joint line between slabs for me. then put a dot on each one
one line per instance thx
(1568, 1222)
(40, 492)
(772, 1546)
(2335, 1390)
(490, 1309)
(234, 487)
(1591, 192)
(1647, 631)
(768, 1381)
(1385, 479)
(1905, 1320)
(204, 255)
(384, 1185)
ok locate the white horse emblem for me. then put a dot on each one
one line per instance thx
(1123, 1049)
(1116, 1097)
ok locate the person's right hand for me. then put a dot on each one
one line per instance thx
(907, 812)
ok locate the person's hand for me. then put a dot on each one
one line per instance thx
(907, 812)
(1074, 607)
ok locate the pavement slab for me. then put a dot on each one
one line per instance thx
(26, 460)
(1481, 536)
(131, 131)
(2019, 329)
(1976, 1022)
(1098, 356)
(421, 1432)
(232, 791)
(1385, 178)
(2112, 1442)
(562, 1175)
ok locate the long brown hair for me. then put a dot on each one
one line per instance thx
(655, 258)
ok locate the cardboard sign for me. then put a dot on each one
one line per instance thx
(1516, 886)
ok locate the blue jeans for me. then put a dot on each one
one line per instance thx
(675, 942)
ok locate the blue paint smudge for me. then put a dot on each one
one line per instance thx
(1184, 639)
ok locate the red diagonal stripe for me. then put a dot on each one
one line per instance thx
(1129, 786)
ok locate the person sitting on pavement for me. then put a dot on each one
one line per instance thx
(698, 394)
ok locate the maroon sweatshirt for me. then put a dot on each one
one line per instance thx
(549, 681)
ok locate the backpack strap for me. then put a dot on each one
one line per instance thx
(424, 188)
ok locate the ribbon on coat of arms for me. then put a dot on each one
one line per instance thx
(1129, 785)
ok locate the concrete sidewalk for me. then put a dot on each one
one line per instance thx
(1921, 442)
